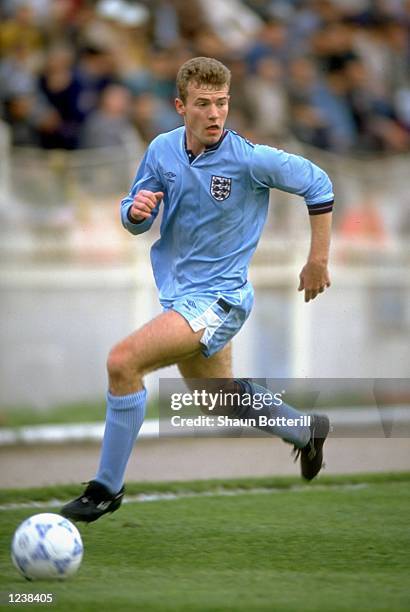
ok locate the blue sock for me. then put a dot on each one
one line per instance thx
(125, 415)
(297, 434)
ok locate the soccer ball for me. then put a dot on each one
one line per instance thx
(47, 546)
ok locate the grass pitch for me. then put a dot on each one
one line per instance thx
(342, 543)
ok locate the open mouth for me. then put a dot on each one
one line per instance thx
(213, 128)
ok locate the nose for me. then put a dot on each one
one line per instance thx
(213, 112)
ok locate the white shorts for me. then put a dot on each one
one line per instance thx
(220, 314)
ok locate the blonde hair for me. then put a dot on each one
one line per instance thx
(201, 71)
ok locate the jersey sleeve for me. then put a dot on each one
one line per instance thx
(146, 178)
(273, 168)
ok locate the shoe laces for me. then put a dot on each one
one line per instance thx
(88, 496)
(296, 452)
(310, 445)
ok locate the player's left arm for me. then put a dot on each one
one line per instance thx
(314, 277)
(273, 168)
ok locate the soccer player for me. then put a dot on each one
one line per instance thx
(214, 187)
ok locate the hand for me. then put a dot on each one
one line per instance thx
(314, 278)
(144, 202)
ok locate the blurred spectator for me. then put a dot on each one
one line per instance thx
(151, 115)
(308, 122)
(332, 103)
(402, 106)
(374, 114)
(270, 41)
(373, 47)
(398, 36)
(174, 21)
(62, 89)
(241, 102)
(334, 47)
(166, 32)
(94, 70)
(191, 17)
(208, 44)
(302, 79)
(28, 119)
(60, 25)
(159, 79)
(110, 124)
(20, 29)
(269, 99)
(16, 72)
(308, 125)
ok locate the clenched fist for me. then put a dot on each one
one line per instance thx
(144, 202)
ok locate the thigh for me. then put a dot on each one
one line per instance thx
(163, 341)
(199, 366)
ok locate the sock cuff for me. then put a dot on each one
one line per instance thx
(125, 402)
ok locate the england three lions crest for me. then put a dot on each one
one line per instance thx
(220, 187)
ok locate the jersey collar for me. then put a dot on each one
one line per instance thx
(214, 147)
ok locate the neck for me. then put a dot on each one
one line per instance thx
(193, 144)
(197, 147)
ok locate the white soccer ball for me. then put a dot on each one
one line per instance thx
(47, 546)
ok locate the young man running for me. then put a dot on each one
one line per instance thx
(214, 186)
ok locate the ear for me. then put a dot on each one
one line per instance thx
(179, 106)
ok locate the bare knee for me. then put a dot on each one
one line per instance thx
(122, 367)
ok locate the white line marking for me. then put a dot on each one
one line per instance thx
(153, 497)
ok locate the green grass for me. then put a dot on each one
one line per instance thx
(322, 547)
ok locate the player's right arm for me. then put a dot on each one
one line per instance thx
(140, 207)
(143, 204)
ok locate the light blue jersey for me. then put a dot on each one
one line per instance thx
(215, 207)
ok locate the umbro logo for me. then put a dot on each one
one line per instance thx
(170, 176)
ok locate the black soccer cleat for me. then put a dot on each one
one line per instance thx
(93, 503)
(311, 455)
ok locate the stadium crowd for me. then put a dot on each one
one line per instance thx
(80, 74)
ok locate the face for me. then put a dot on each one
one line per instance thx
(204, 111)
